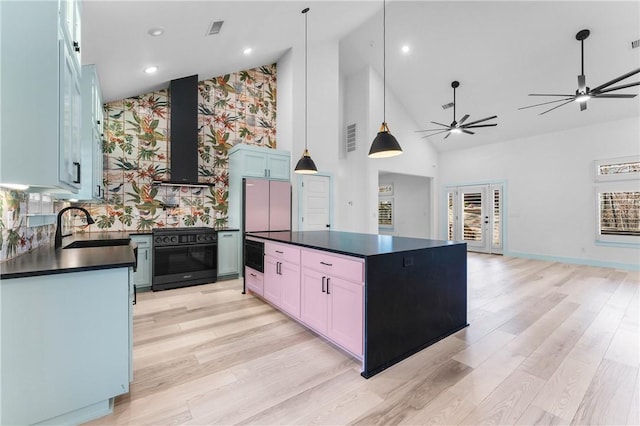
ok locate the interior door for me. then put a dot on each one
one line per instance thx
(475, 216)
(315, 211)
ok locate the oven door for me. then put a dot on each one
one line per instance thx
(184, 265)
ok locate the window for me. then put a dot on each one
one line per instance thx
(618, 200)
(385, 213)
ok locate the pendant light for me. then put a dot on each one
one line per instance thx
(305, 165)
(384, 144)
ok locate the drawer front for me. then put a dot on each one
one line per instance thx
(254, 281)
(285, 252)
(351, 269)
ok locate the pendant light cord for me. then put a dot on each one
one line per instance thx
(384, 61)
(305, 75)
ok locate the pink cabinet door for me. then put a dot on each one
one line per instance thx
(345, 314)
(279, 206)
(290, 288)
(271, 283)
(314, 301)
(256, 205)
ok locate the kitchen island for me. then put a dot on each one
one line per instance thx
(413, 292)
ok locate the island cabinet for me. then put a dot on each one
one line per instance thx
(332, 297)
(254, 281)
(282, 277)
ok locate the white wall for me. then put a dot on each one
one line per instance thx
(412, 207)
(550, 193)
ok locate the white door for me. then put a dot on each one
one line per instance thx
(475, 217)
(315, 199)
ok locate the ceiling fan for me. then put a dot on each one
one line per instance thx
(584, 93)
(458, 126)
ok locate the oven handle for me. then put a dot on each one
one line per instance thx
(184, 245)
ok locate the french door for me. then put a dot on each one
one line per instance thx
(475, 216)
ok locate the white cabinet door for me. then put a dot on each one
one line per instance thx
(70, 94)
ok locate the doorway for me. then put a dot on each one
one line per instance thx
(315, 203)
(475, 215)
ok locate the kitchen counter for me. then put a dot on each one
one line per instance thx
(48, 261)
(350, 243)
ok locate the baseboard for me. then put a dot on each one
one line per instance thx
(577, 261)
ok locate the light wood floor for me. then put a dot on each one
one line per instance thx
(548, 343)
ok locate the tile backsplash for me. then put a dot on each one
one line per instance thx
(234, 108)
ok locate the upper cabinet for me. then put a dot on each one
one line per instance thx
(91, 136)
(251, 161)
(41, 94)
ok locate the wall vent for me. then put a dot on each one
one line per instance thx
(351, 137)
(447, 106)
(215, 27)
(635, 44)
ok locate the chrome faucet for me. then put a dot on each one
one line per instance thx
(58, 237)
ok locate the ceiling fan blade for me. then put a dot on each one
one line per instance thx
(547, 94)
(467, 131)
(433, 134)
(447, 135)
(582, 85)
(481, 120)
(479, 125)
(613, 95)
(440, 124)
(462, 120)
(545, 103)
(568, 102)
(583, 105)
(615, 80)
(431, 130)
(611, 89)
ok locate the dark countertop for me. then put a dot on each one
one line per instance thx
(48, 261)
(350, 243)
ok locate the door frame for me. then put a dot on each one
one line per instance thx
(300, 190)
(503, 212)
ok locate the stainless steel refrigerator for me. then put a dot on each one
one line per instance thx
(267, 205)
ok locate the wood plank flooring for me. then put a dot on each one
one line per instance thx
(548, 343)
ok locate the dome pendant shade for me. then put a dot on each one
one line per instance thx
(305, 165)
(385, 144)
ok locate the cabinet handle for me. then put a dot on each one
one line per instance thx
(135, 295)
(98, 122)
(265, 173)
(326, 264)
(323, 278)
(253, 275)
(328, 292)
(279, 252)
(227, 235)
(279, 268)
(77, 166)
(76, 46)
(145, 255)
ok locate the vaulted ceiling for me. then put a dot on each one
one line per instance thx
(499, 52)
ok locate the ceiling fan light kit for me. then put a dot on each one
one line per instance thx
(458, 126)
(584, 93)
(384, 144)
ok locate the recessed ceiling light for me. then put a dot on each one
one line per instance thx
(155, 32)
(151, 69)
(247, 51)
(405, 49)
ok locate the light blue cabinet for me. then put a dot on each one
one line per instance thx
(228, 261)
(40, 86)
(142, 277)
(91, 186)
(65, 342)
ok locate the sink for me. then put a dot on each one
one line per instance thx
(98, 243)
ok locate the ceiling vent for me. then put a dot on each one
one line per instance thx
(215, 27)
(635, 44)
(351, 137)
(447, 106)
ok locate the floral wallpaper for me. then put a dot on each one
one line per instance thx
(234, 108)
(16, 237)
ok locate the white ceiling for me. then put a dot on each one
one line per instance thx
(499, 51)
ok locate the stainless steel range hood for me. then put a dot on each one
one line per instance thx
(183, 128)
